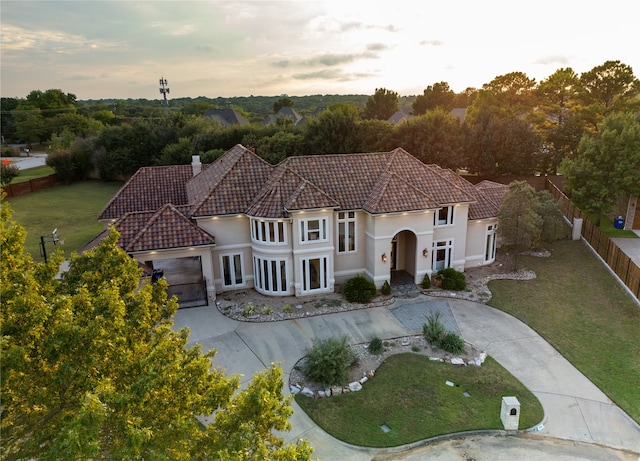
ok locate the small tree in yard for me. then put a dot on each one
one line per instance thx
(520, 223)
(92, 368)
(328, 361)
(8, 172)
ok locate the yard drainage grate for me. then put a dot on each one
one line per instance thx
(385, 428)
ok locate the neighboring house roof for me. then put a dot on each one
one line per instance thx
(156, 208)
(284, 112)
(226, 117)
(399, 117)
(459, 113)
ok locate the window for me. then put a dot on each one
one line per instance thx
(273, 232)
(346, 232)
(443, 217)
(490, 248)
(270, 275)
(442, 254)
(313, 230)
(314, 274)
(232, 270)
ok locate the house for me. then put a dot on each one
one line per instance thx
(306, 224)
(226, 117)
(285, 112)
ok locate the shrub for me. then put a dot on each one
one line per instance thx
(452, 343)
(287, 308)
(433, 330)
(359, 289)
(8, 172)
(70, 165)
(452, 279)
(249, 309)
(415, 348)
(328, 361)
(266, 310)
(375, 346)
(386, 288)
(426, 281)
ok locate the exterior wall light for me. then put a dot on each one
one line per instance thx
(384, 257)
(425, 252)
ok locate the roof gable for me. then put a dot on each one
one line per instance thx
(392, 194)
(166, 228)
(228, 185)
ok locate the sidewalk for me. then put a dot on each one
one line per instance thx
(36, 159)
(575, 409)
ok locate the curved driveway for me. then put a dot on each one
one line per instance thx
(575, 409)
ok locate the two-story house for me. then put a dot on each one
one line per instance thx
(306, 224)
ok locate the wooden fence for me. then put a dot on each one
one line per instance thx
(32, 185)
(621, 264)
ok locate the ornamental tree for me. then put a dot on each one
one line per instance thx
(93, 369)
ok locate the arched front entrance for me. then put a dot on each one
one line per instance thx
(403, 258)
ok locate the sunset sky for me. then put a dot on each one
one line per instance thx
(120, 49)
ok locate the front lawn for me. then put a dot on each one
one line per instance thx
(72, 209)
(578, 307)
(410, 395)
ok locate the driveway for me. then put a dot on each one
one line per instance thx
(579, 418)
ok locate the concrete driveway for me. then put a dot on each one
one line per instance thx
(577, 413)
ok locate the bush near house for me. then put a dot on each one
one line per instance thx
(452, 279)
(359, 289)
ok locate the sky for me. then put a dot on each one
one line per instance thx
(121, 48)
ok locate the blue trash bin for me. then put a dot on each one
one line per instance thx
(619, 222)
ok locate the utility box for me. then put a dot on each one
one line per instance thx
(576, 232)
(510, 413)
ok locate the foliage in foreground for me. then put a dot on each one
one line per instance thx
(409, 394)
(328, 361)
(435, 334)
(8, 172)
(92, 368)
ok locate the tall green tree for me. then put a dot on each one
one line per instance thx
(282, 102)
(334, 131)
(435, 137)
(438, 95)
(520, 224)
(607, 165)
(382, 105)
(92, 369)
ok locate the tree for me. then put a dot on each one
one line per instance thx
(610, 87)
(334, 131)
(92, 369)
(519, 222)
(435, 137)
(382, 105)
(607, 165)
(438, 95)
(8, 172)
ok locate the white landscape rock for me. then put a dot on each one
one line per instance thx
(457, 361)
(308, 392)
(355, 386)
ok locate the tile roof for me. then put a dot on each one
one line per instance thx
(163, 229)
(157, 204)
(149, 189)
(226, 117)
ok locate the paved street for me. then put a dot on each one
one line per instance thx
(580, 421)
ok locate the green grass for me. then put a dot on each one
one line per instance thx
(578, 307)
(72, 209)
(33, 173)
(409, 394)
(606, 226)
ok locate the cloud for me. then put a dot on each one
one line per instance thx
(284, 63)
(377, 47)
(553, 59)
(326, 74)
(431, 43)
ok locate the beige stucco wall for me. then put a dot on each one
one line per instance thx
(456, 232)
(476, 242)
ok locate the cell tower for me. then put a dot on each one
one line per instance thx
(164, 91)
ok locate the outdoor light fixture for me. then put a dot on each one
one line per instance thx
(425, 252)
(384, 257)
(54, 239)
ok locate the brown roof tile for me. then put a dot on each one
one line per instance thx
(164, 229)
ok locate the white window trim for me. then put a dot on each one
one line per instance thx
(491, 237)
(323, 232)
(305, 274)
(450, 217)
(231, 257)
(260, 275)
(345, 220)
(448, 248)
(263, 229)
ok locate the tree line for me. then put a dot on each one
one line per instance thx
(512, 125)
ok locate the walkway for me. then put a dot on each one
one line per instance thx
(575, 409)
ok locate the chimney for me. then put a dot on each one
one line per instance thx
(196, 166)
